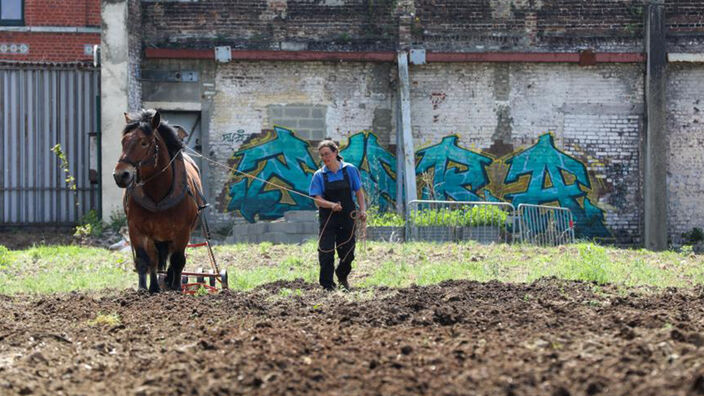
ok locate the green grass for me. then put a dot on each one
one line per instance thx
(68, 268)
(63, 268)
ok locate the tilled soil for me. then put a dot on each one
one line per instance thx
(551, 337)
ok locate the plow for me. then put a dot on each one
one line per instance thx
(201, 279)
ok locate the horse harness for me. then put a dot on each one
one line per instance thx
(177, 191)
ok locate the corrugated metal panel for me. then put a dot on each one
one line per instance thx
(40, 107)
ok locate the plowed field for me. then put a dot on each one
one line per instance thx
(551, 337)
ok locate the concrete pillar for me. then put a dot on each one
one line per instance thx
(656, 147)
(409, 163)
(116, 78)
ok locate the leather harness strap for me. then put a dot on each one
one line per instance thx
(177, 191)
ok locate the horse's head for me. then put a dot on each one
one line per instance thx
(139, 147)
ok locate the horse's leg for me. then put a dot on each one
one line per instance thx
(178, 261)
(163, 254)
(149, 264)
(153, 281)
(142, 266)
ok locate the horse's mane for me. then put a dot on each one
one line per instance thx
(143, 120)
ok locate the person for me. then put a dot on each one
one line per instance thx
(333, 187)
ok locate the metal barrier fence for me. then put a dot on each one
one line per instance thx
(544, 225)
(453, 221)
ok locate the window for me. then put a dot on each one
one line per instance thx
(12, 12)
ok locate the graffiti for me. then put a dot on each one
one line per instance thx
(377, 167)
(280, 158)
(539, 174)
(235, 137)
(553, 177)
(457, 173)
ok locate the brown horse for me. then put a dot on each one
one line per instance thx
(162, 198)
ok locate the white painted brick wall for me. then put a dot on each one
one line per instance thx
(350, 91)
(595, 114)
(685, 123)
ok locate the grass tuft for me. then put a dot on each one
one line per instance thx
(108, 320)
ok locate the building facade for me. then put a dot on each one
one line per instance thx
(547, 102)
(50, 100)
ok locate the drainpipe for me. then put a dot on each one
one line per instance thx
(400, 158)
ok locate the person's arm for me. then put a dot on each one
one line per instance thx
(323, 203)
(362, 204)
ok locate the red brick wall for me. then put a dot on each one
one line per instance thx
(55, 47)
(50, 47)
(62, 12)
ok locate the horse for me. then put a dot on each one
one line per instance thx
(162, 199)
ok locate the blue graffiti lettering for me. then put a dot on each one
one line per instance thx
(457, 172)
(376, 165)
(546, 166)
(282, 159)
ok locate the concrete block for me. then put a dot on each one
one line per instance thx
(257, 228)
(275, 111)
(317, 134)
(318, 112)
(309, 228)
(286, 122)
(281, 237)
(317, 124)
(301, 215)
(301, 112)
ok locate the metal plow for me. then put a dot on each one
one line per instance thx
(213, 276)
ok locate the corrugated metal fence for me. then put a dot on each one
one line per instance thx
(41, 106)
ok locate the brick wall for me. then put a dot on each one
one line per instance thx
(499, 25)
(62, 13)
(272, 24)
(593, 113)
(61, 46)
(49, 47)
(685, 124)
(593, 116)
(350, 93)
(448, 25)
(587, 119)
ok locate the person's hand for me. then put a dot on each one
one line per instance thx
(336, 207)
(363, 215)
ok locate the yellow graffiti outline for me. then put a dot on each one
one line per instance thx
(281, 186)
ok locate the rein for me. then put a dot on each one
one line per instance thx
(141, 163)
(179, 182)
(353, 214)
(150, 178)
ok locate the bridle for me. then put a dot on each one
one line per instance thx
(144, 161)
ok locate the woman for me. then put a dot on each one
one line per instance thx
(333, 187)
